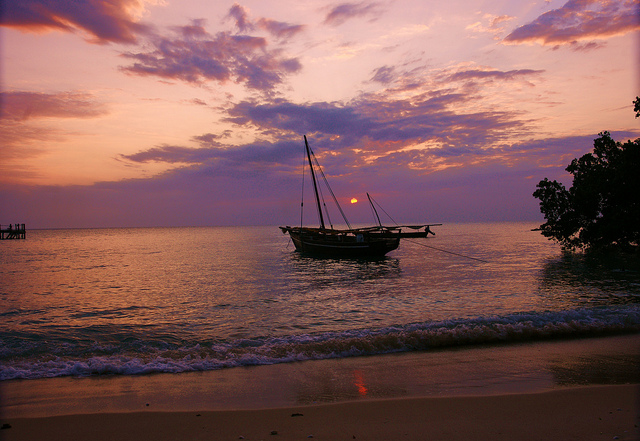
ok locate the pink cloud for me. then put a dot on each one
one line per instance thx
(103, 21)
(21, 129)
(580, 20)
(21, 106)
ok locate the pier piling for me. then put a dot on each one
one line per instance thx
(13, 231)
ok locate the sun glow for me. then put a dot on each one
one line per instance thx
(354, 200)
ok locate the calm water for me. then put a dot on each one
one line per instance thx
(136, 301)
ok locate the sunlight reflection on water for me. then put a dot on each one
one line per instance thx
(245, 281)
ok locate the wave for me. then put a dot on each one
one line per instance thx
(30, 360)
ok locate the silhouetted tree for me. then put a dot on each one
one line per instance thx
(602, 207)
(636, 106)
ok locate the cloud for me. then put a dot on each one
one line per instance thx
(421, 123)
(212, 154)
(241, 17)
(278, 29)
(490, 24)
(170, 155)
(384, 75)
(579, 20)
(102, 21)
(495, 186)
(22, 115)
(22, 106)
(491, 74)
(199, 195)
(23, 128)
(346, 11)
(198, 102)
(285, 116)
(375, 122)
(195, 56)
(423, 132)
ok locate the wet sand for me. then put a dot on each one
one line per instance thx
(575, 389)
(589, 413)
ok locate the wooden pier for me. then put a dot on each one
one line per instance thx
(13, 231)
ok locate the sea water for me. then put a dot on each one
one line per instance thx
(88, 302)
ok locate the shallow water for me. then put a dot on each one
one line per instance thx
(144, 300)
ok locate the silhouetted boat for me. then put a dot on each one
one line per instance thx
(368, 242)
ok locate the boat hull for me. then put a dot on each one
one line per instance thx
(342, 243)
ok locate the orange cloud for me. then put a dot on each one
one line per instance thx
(103, 21)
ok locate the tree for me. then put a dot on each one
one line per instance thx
(602, 207)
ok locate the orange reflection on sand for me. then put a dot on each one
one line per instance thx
(358, 381)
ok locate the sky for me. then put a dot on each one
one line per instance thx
(129, 113)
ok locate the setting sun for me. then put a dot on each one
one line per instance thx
(354, 200)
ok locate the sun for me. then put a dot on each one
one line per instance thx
(354, 200)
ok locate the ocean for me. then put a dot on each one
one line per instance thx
(139, 301)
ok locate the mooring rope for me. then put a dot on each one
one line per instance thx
(448, 252)
(420, 243)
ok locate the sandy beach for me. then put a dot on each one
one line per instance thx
(585, 389)
(588, 413)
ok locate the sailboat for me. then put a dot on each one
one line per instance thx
(367, 242)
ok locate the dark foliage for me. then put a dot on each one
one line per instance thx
(601, 210)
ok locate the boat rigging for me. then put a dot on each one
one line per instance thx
(367, 242)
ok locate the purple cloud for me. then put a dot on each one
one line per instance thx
(345, 11)
(171, 155)
(241, 17)
(195, 56)
(212, 153)
(478, 74)
(383, 129)
(278, 29)
(426, 118)
(484, 188)
(384, 75)
(363, 139)
(104, 21)
(580, 20)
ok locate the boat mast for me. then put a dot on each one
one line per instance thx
(374, 209)
(315, 186)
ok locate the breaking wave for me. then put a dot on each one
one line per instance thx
(41, 360)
